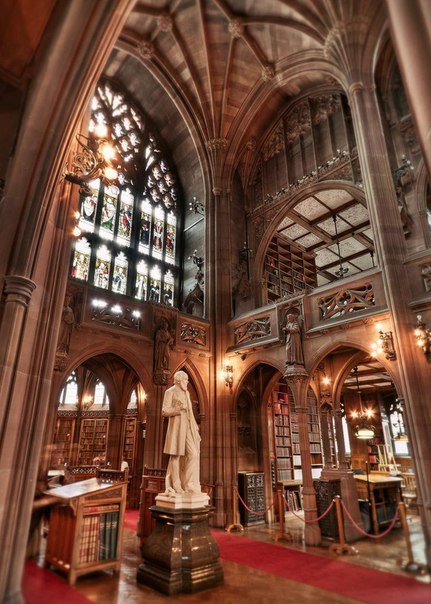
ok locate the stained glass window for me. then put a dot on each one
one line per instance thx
(129, 244)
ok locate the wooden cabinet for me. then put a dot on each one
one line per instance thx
(153, 483)
(314, 436)
(288, 268)
(252, 492)
(61, 452)
(85, 529)
(92, 440)
(384, 493)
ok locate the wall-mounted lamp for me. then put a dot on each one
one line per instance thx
(384, 345)
(423, 335)
(196, 206)
(228, 375)
(93, 160)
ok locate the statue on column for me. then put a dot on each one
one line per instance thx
(293, 329)
(182, 442)
(163, 342)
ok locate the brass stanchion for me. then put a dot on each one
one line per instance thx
(234, 526)
(342, 547)
(410, 565)
(281, 533)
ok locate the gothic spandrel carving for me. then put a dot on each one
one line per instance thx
(192, 333)
(347, 301)
(252, 330)
(323, 106)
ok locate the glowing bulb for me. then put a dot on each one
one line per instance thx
(107, 151)
(77, 215)
(101, 130)
(110, 173)
(354, 414)
(76, 232)
(326, 380)
(378, 327)
(418, 332)
(369, 413)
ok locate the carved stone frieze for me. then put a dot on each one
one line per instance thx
(275, 144)
(298, 123)
(323, 106)
(193, 333)
(252, 330)
(116, 315)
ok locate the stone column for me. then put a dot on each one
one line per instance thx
(411, 34)
(339, 435)
(297, 378)
(325, 415)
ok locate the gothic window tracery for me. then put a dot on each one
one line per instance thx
(129, 229)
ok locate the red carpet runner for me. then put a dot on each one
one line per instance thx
(41, 586)
(351, 580)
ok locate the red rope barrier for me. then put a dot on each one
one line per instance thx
(387, 531)
(249, 510)
(311, 520)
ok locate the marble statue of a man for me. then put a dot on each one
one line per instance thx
(182, 442)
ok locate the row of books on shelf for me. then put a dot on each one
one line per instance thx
(281, 430)
(282, 441)
(281, 408)
(284, 475)
(293, 500)
(284, 463)
(315, 448)
(99, 534)
(283, 451)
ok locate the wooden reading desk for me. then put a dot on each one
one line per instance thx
(383, 492)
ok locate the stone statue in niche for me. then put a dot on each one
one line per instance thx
(293, 329)
(67, 325)
(163, 343)
(182, 442)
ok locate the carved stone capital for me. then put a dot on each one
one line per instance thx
(146, 50)
(217, 144)
(268, 73)
(236, 28)
(165, 23)
(18, 289)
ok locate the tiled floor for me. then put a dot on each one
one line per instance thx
(243, 585)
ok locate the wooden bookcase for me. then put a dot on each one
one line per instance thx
(287, 453)
(63, 439)
(282, 433)
(129, 442)
(153, 483)
(288, 268)
(252, 491)
(314, 436)
(85, 529)
(93, 438)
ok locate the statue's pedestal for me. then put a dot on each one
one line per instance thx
(180, 555)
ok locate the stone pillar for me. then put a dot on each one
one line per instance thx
(325, 415)
(339, 435)
(297, 378)
(411, 34)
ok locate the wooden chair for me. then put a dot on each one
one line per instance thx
(409, 491)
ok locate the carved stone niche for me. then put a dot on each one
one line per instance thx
(164, 341)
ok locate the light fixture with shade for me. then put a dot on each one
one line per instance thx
(94, 159)
(384, 344)
(363, 430)
(343, 270)
(423, 335)
(228, 375)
